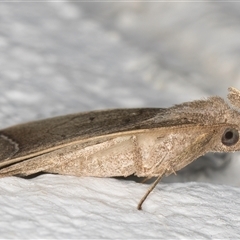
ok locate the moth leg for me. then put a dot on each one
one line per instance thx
(189, 154)
(139, 207)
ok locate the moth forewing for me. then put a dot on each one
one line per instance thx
(145, 153)
(38, 137)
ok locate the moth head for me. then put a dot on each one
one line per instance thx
(230, 134)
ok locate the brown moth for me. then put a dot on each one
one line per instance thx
(150, 142)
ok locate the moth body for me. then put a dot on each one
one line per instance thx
(146, 142)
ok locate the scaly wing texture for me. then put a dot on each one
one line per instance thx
(34, 137)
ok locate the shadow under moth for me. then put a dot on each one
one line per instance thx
(146, 142)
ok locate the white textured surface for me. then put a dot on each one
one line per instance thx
(53, 206)
(57, 58)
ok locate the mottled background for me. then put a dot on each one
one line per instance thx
(63, 57)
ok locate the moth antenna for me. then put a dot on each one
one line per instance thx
(139, 207)
(234, 97)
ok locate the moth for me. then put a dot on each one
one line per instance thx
(148, 142)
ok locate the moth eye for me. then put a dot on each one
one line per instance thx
(230, 137)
